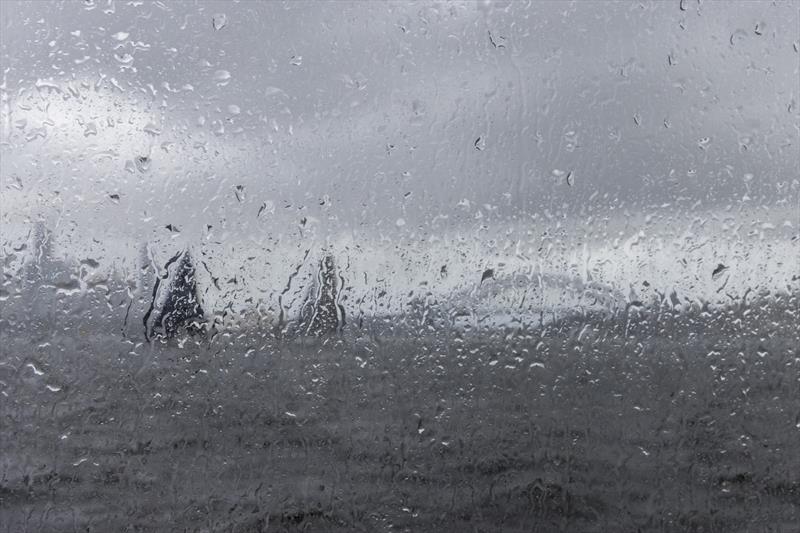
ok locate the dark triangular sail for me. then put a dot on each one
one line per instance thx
(322, 314)
(181, 308)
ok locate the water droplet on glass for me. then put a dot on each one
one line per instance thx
(497, 41)
(737, 36)
(571, 141)
(222, 77)
(480, 143)
(90, 129)
(704, 142)
(297, 60)
(570, 179)
(125, 58)
(234, 109)
(120, 35)
(219, 21)
(142, 163)
(719, 271)
(238, 191)
(400, 222)
(35, 133)
(36, 371)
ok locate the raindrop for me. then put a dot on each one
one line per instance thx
(90, 129)
(234, 109)
(172, 228)
(297, 60)
(637, 119)
(487, 274)
(498, 41)
(142, 163)
(91, 263)
(571, 139)
(480, 144)
(36, 371)
(53, 388)
(737, 36)
(759, 29)
(682, 5)
(222, 77)
(47, 84)
(719, 271)
(125, 58)
(704, 142)
(219, 21)
(120, 35)
(570, 179)
(36, 133)
(114, 198)
(400, 222)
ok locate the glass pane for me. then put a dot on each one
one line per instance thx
(424, 266)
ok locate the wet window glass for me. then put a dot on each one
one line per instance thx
(399, 266)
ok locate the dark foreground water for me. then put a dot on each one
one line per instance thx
(649, 423)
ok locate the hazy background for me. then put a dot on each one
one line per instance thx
(595, 139)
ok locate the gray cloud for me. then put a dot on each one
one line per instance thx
(379, 120)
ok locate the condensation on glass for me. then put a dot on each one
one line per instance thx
(367, 266)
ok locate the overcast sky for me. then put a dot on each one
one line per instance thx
(416, 121)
